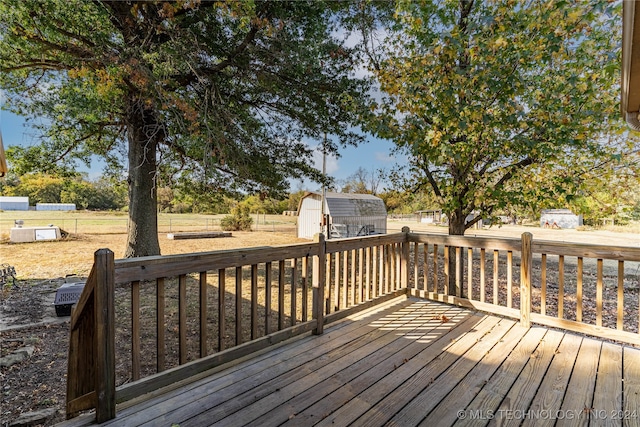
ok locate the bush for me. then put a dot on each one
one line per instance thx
(238, 220)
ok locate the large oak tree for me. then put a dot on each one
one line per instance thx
(217, 93)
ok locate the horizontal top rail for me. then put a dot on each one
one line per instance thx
(339, 245)
(152, 267)
(585, 250)
(466, 242)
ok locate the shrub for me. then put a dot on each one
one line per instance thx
(238, 220)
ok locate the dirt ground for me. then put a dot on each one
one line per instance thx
(28, 319)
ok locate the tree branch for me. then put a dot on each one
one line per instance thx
(40, 64)
(513, 168)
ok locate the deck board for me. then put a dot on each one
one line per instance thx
(579, 395)
(410, 362)
(493, 392)
(437, 389)
(523, 390)
(401, 350)
(631, 390)
(607, 401)
(466, 389)
(551, 392)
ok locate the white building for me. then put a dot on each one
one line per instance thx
(10, 203)
(560, 218)
(348, 215)
(55, 206)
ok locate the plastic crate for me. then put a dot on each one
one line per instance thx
(66, 296)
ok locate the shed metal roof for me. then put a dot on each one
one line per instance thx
(347, 204)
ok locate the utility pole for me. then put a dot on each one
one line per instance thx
(323, 221)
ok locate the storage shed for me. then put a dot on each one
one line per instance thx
(348, 215)
(559, 218)
(10, 203)
(55, 206)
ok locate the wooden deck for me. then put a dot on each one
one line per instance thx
(412, 362)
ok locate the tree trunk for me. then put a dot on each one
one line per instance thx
(456, 228)
(143, 134)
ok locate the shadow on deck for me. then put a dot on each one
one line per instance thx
(408, 362)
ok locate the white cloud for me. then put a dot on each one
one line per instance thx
(384, 157)
(331, 162)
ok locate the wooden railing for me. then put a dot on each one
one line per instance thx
(579, 287)
(164, 319)
(91, 361)
(173, 317)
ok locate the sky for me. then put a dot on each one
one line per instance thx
(372, 155)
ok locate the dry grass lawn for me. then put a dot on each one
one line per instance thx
(74, 255)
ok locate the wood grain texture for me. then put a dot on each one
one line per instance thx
(405, 362)
(608, 392)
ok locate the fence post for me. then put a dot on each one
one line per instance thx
(526, 271)
(105, 336)
(404, 264)
(319, 283)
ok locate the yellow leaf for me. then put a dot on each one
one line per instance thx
(574, 16)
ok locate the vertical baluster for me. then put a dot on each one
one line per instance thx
(526, 269)
(374, 275)
(353, 278)
(447, 273)
(254, 301)
(510, 279)
(329, 290)
(398, 253)
(221, 309)
(294, 290)
(482, 274)
(470, 273)
(305, 288)
(543, 285)
(387, 269)
(160, 326)
(345, 279)
(380, 270)
(579, 290)
(620, 320)
(435, 269)
(203, 313)
(560, 286)
(360, 275)
(182, 318)
(238, 305)
(281, 277)
(599, 291)
(267, 297)
(416, 270)
(496, 270)
(425, 267)
(367, 288)
(458, 270)
(336, 281)
(135, 330)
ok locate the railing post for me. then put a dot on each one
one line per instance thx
(526, 271)
(319, 283)
(404, 262)
(105, 360)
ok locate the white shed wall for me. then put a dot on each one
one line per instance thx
(11, 203)
(562, 218)
(309, 216)
(55, 206)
